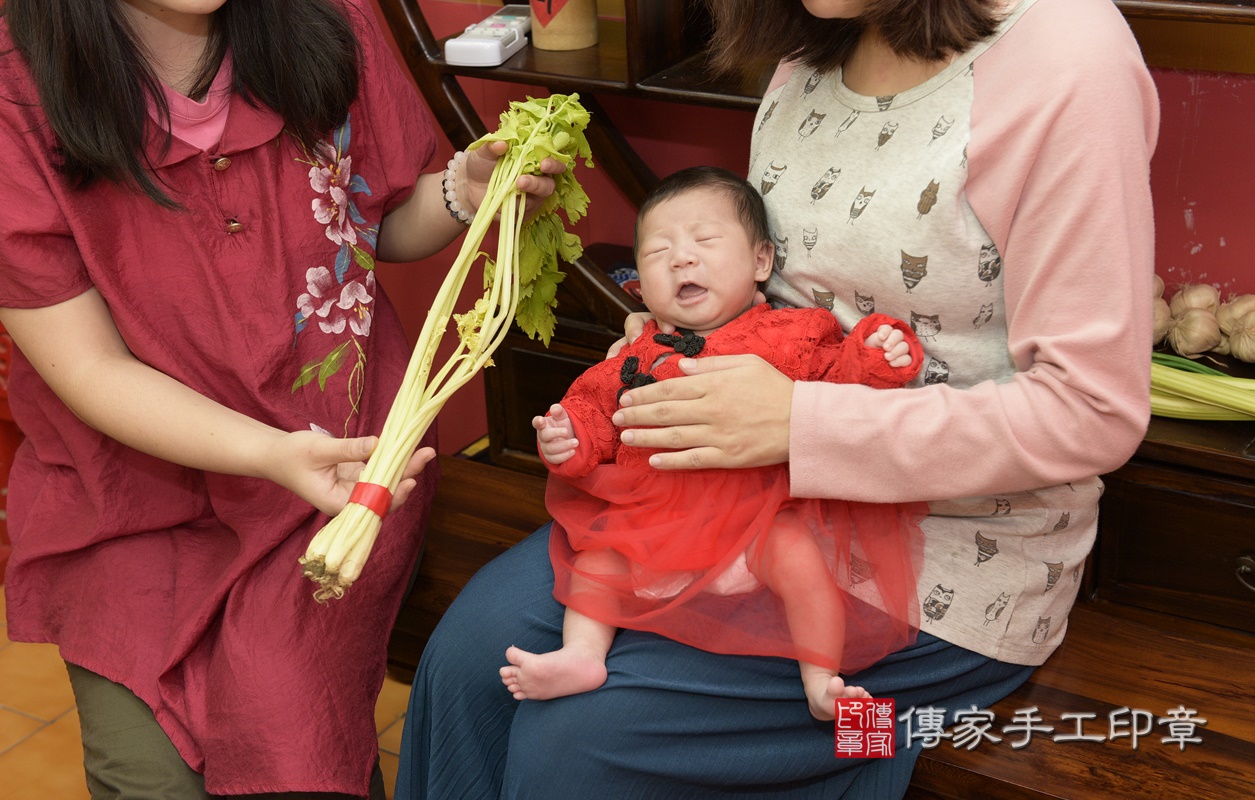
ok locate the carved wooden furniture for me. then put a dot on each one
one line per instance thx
(1178, 524)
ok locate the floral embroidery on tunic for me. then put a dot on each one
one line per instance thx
(333, 300)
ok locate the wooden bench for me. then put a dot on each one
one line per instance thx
(1113, 657)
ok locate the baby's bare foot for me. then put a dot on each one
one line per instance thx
(544, 676)
(822, 693)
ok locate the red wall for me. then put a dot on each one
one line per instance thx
(1202, 179)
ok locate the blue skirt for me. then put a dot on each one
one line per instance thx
(670, 721)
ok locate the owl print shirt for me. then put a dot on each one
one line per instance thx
(1002, 209)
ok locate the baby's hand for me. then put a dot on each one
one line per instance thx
(555, 435)
(893, 342)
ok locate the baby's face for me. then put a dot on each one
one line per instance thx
(698, 267)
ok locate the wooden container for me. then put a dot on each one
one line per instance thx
(564, 24)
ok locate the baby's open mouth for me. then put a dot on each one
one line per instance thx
(690, 290)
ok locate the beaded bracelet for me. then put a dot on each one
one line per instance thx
(457, 209)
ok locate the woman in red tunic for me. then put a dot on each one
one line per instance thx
(195, 195)
(724, 560)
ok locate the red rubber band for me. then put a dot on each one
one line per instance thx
(373, 496)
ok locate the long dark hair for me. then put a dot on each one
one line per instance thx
(755, 34)
(297, 57)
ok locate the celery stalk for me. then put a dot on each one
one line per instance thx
(1185, 391)
(519, 287)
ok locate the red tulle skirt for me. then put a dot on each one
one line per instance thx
(727, 561)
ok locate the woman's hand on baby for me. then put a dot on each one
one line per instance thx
(727, 411)
(322, 470)
(555, 435)
(893, 342)
(481, 161)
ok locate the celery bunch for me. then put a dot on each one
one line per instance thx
(1185, 389)
(520, 284)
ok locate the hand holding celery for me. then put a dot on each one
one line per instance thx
(520, 284)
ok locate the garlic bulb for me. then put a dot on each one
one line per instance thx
(1242, 337)
(1193, 332)
(1195, 295)
(1236, 307)
(1158, 286)
(1163, 319)
(1222, 349)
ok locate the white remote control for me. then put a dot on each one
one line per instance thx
(492, 40)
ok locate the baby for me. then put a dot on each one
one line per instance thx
(723, 560)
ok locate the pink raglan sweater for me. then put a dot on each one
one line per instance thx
(1060, 128)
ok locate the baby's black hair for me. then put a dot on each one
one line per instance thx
(748, 202)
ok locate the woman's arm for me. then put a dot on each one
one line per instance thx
(419, 227)
(76, 348)
(1060, 179)
(422, 226)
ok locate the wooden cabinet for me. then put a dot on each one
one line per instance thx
(1177, 524)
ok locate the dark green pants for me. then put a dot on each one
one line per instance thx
(128, 756)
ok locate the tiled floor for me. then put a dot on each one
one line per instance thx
(41, 755)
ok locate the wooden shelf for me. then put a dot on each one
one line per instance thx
(1201, 37)
(1224, 449)
(649, 57)
(606, 68)
(601, 68)
(1221, 448)
(1227, 13)
(687, 82)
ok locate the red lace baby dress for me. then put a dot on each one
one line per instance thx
(690, 555)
